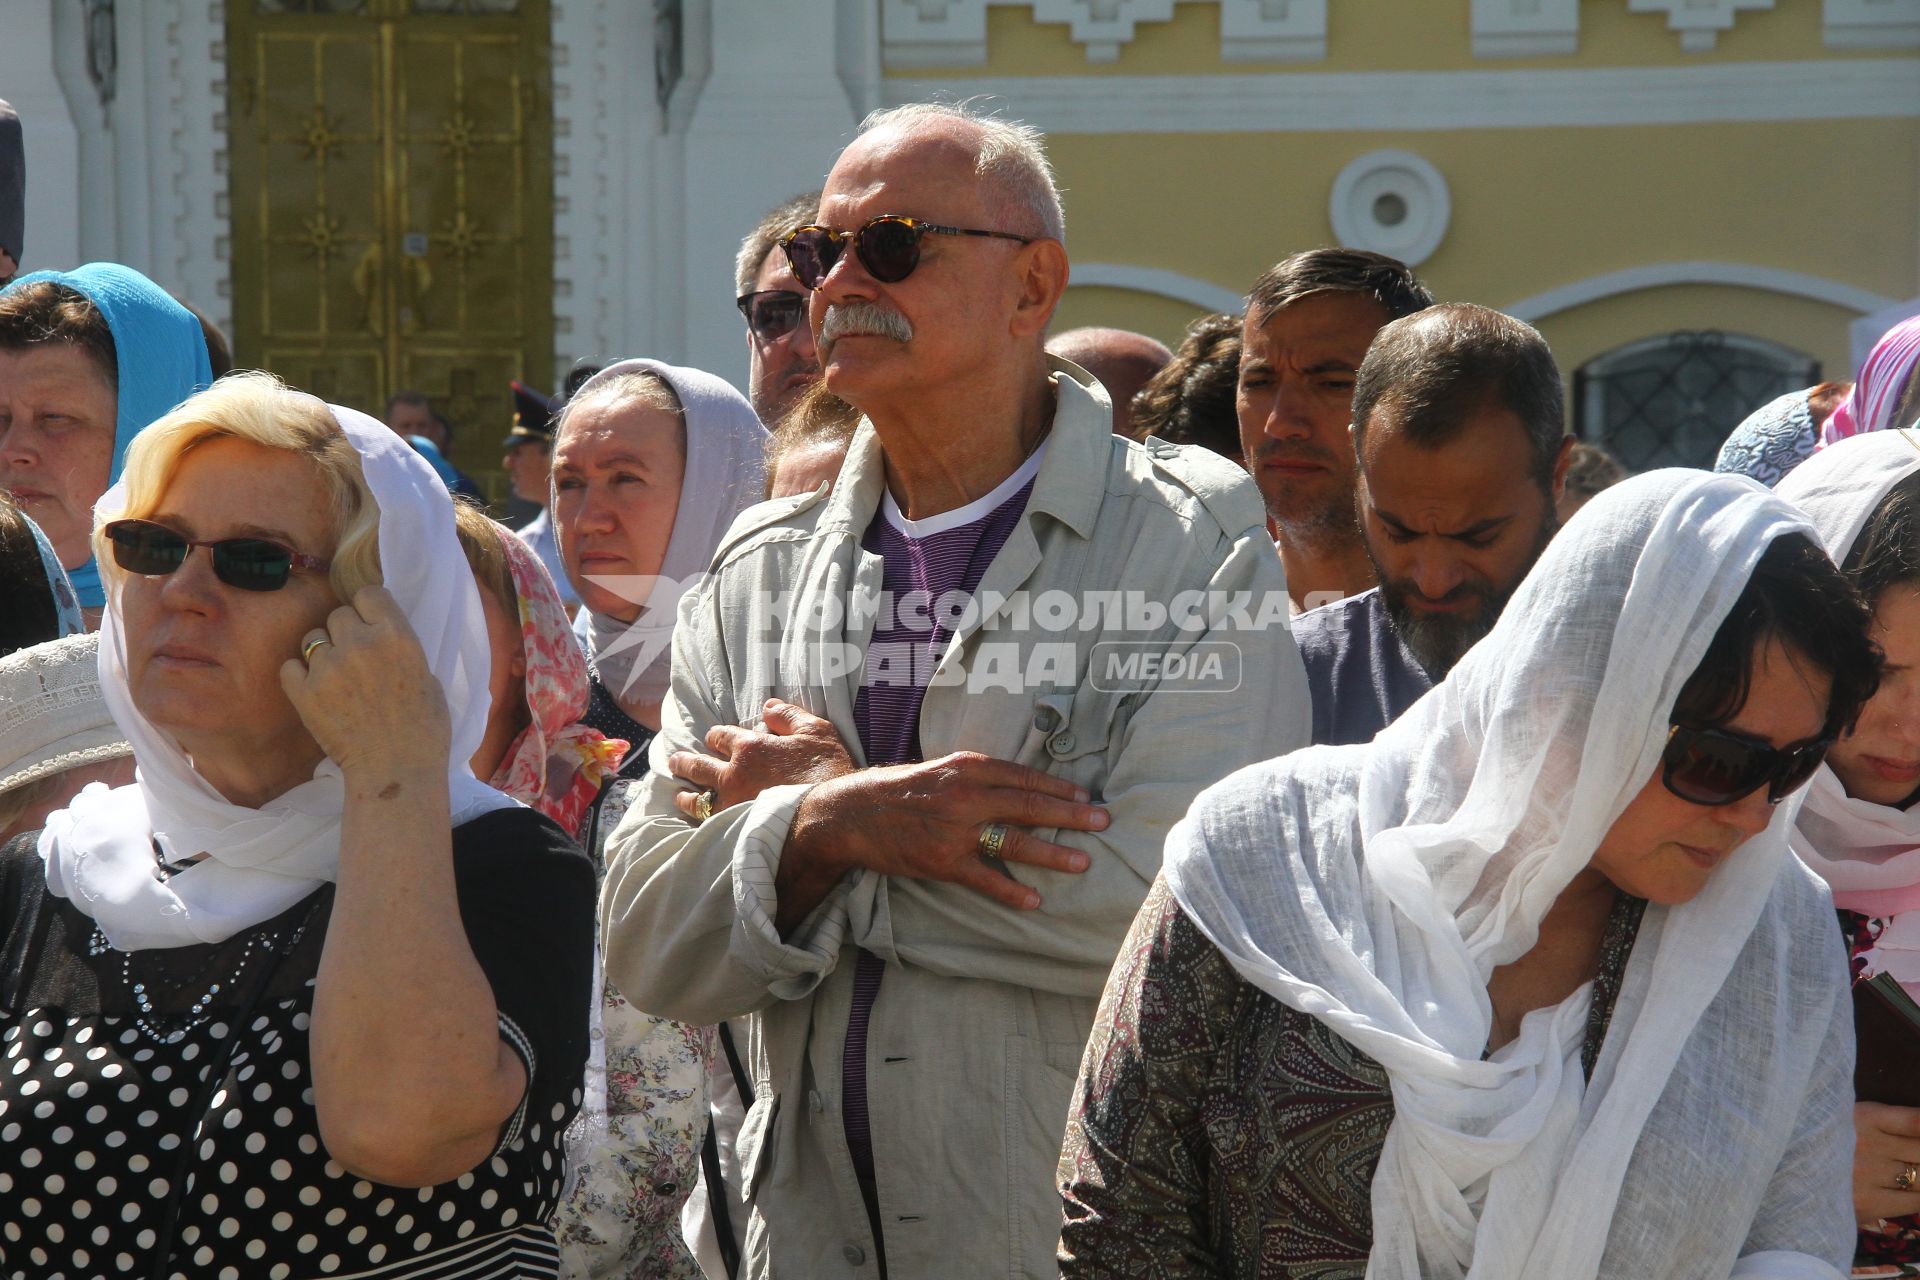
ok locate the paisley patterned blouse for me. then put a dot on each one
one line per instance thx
(1217, 1132)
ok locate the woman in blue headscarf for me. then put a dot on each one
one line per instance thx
(88, 358)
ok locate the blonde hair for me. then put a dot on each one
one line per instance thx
(260, 409)
(486, 554)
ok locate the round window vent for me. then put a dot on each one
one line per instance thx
(1391, 202)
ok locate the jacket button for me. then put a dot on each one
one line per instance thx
(1062, 743)
(854, 1255)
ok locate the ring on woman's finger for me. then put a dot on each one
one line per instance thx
(703, 806)
(993, 838)
(306, 650)
(1908, 1178)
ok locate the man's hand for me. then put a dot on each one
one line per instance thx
(797, 747)
(926, 820)
(1886, 1141)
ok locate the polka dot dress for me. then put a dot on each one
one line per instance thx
(121, 1109)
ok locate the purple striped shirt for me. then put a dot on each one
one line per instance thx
(927, 564)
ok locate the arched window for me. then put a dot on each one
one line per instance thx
(1671, 401)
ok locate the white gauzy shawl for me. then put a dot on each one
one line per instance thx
(1377, 887)
(1869, 854)
(99, 851)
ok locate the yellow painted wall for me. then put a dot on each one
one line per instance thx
(1394, 35)
(1532, 210)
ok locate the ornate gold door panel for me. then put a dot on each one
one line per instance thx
(392, 201)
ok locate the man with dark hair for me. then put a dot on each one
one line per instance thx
(1120, 360)
(780, 354)
(1309, 320)
(411, 415)
(1459, 424)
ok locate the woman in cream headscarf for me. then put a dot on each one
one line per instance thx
(651, 463)
(1528, 986)
(1860, 826)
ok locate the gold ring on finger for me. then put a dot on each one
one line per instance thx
(993, 838)
(306, 650)
(1908, 1178)
(703, 806)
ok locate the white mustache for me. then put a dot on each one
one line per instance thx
(861, 319)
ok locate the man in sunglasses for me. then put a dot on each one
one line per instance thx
(1459, 429)
(781, 360)
(928, 726)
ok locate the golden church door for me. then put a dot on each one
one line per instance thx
(392, 201)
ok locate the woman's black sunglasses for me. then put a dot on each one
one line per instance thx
(1718, 766)
(888, 247)
(250, 564)
(772, 313)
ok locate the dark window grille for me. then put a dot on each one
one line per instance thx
(1671, 401)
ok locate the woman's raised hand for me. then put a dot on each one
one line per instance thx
(362, 687)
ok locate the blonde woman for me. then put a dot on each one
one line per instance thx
(306, 998)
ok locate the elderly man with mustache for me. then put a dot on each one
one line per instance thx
(928, 730)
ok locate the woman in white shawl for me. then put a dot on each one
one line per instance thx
(1528, 986)
(305, 998)
(1860, 826)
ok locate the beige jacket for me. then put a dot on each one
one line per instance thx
(977, 1033)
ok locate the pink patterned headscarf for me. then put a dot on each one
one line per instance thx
(1883, 379)
(557, 764)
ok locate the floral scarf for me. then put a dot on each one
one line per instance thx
(557, 764)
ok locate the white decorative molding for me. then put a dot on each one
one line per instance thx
(1166, 284)
(1273, 30)
(1391, 202)
(1749, 92)
(1871, 24)
(193, 226)
(1525, 28)
(1739, 275)
(605, 135)
(953, 33)
(1699, 22)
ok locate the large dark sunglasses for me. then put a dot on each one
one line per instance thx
(1718, 766)
(888, 247)
(250, 564)
(772, 313)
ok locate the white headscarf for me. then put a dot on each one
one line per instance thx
(99, 850)
(1377, 888)
(1868, 853)
(724, 475)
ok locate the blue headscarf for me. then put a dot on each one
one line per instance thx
(161, 352)
(435, 459)
(66, 608)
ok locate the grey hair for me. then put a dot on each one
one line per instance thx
(1011, 156)
(795, 211)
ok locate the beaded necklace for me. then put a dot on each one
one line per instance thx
(257, 943)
